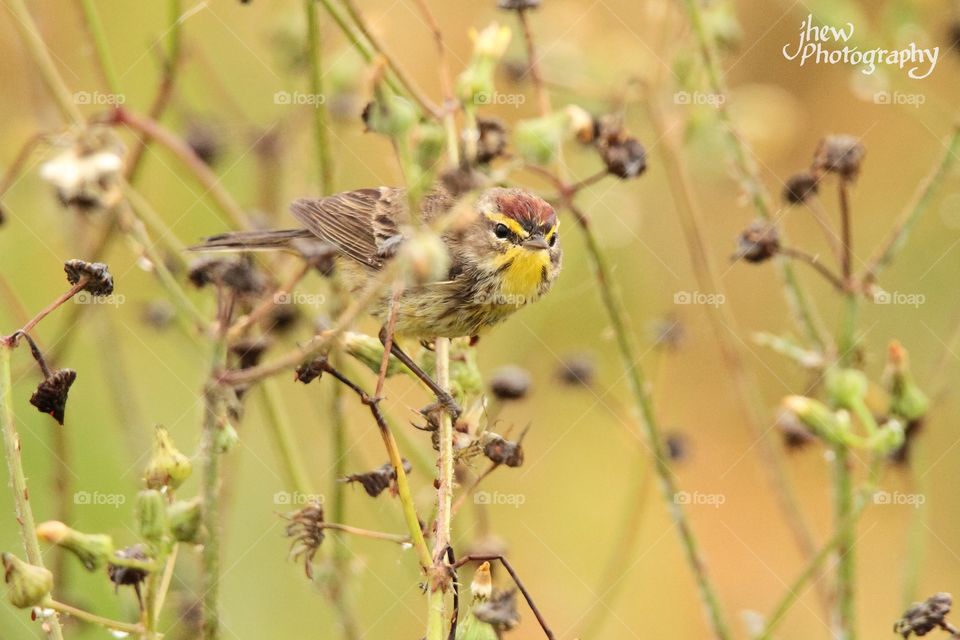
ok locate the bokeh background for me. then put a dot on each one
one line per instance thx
(585, 464)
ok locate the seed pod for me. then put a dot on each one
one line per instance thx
(306, 529)
(185, 519)
(152, 515)
(99, 280)
(577, 370)
(374, 482)
(510, 383)
(907, 400)
(839, 154)
(51, 394)
(29, 585)
(310, 371)
(168, 467)
(800, 187)
(758, 242)
(923, 617)
(92, 549)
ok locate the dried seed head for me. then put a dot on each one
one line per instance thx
(99, 280)
(29, 585)
(518, 5)
(281, 319)
(840, 154)
(500, 611)
(502, 451)
(129, 576)
(51, 394)
(374, 482)
(577, 370)
(492, 139)
(306, 529)
(310, 371)
(758, 242)
(800, 187)
(623, 155)
(510, 383)
(239, 275)
(249, 351)
(923, 617)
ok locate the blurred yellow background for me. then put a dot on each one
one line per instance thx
(583, 452)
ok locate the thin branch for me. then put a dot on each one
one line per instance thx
(86, 616)
(797, 254)
(533, 60)
(320, 115)
(105, 63)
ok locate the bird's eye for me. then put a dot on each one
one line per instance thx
(553, 239)
(501, 231)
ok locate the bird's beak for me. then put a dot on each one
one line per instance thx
(536, 243)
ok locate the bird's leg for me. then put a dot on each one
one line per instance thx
(443, 396)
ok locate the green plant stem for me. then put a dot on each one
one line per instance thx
(800, 303)
(844, 621)
(320, 116)
(86, 616)
(95, 27)
(18, 481)
(437, 601)
(916, 208)
(644, 404)
(213, 421)
(51, 77)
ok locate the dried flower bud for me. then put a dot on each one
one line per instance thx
(501, 451)
(374, 482)
(500, 611)
(122, 575)
(800, 187)
(492, 139)
(92, 549)
(243, 277)
(840, 154)
(481, 587)
(250, 351)
(623, 155)
(907, 400)
(306, 529)
(206, 271)
(168, 467)
(29, 585)
(152, 515)
(818, 417)
(51, 394)
(518, 5)
(281, 319)
(99, 281)
(583, 125)
(923, 617)
(577, 370)
(184, 517)
(310, 371)
(392, 118)
(758, 242)
(510, 383)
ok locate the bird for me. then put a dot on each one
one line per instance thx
(505, 256)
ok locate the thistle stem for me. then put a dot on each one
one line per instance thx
(213, 419)
(18, 480)
(320, 115)
(50, 308)
(86, 616)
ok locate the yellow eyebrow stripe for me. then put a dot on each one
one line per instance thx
(510, 223)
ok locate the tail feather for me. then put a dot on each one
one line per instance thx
(255, 240)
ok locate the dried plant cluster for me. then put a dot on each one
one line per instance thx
(236, 310)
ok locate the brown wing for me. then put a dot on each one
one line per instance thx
(356, 222)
